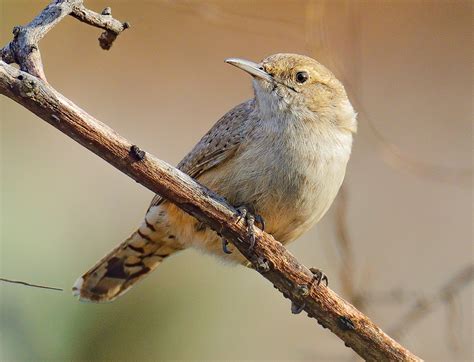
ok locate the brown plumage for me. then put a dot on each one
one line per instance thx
(282, 154)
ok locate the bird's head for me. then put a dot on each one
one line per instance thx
(299, 86)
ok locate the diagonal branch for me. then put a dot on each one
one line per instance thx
(28, 88)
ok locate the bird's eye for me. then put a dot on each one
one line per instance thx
(302, 77)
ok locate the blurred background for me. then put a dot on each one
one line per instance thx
(397, 243)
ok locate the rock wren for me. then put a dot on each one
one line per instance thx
(281, 155)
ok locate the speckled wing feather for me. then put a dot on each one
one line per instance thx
(217, 145)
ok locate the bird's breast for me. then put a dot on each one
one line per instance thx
(290, 178)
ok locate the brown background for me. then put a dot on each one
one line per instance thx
(407, 66)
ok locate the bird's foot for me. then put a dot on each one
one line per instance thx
(318, 276)
(250, 219)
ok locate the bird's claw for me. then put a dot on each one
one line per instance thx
(250, 219)
(318, 276)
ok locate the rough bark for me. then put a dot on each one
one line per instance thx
(28, 87)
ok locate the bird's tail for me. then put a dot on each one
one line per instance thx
(123, 267)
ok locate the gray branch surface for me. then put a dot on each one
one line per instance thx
(28, 87)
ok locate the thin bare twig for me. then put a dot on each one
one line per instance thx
(347, 270)
(104, 20)
(29, 284)
(424, 305)
(396, 158)
(268, 257)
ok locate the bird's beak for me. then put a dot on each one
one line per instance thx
(250, 67)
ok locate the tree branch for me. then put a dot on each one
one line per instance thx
(29, 88)
(104, 20)
(24, 50)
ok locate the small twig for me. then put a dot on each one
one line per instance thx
(344, 243)
(29, 284)
(24, 49)
(452, 331)
(104, 21)
(423, 306)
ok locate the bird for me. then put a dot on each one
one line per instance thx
(280, 158)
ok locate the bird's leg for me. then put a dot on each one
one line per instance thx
(250, 219)
(318, 277)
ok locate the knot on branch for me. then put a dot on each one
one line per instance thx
(16, 30)
(28, 86)
(345, 324)
(136, 153)
(107, 11)
(262, 265)
(106, 39)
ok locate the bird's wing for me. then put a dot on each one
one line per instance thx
(217, 145)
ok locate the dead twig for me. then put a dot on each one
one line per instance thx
(424, 305)
(28, 284)
(24, 50)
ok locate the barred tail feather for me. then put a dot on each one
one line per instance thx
(122, 268)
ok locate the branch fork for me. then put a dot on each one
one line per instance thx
(24, 50)
(28, 87)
